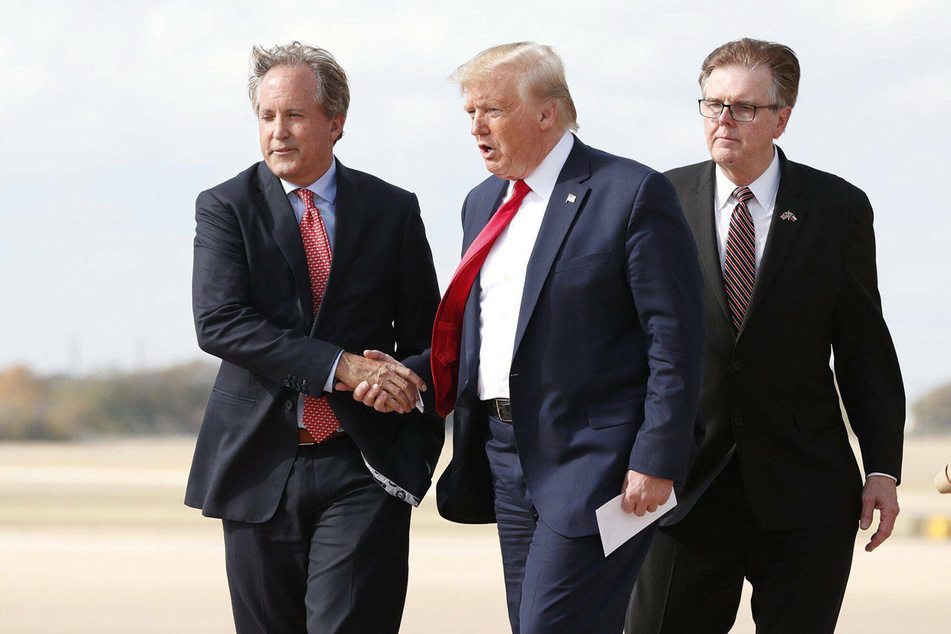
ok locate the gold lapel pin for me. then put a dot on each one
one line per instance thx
(571, 198)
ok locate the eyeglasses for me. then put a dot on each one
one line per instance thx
(740, 112)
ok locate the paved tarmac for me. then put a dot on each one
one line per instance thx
(94, 538)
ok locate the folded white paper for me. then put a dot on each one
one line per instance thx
(616, 526)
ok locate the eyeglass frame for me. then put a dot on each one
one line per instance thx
(729, 107)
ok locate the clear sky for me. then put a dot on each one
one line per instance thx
(115, 115)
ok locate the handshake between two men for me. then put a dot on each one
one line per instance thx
(379, 381)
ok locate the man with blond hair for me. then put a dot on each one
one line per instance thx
(788, 256)
(300, 264)
(569, 344)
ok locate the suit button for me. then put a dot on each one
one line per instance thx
(738, 421)
(289, 405)
(737, 365)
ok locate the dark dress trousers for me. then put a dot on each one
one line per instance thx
(296, 512)
(775, 493)
(605, 377)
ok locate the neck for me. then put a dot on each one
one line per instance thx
(545, 146)
(742, 175)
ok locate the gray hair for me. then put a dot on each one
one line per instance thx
(333, 89)
(752, 54)
(541, 75)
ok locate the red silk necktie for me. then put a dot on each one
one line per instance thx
(739, 270)
(447, 329)
(318, 418)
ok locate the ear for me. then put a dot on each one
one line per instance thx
(548, 116)
(336, 126)
(783, 115)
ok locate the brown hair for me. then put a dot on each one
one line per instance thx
(752, 54)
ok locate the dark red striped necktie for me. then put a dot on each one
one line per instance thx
(739, 270)
(447, 330)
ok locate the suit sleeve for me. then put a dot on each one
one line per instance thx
(666, 283)
(866, 365)
(226, 322)
(417, 300)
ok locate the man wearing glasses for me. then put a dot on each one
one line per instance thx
(788, 257)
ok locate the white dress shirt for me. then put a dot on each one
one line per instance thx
(502, 278)
(325, 198)
(761, 208)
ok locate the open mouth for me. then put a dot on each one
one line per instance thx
(486, 150)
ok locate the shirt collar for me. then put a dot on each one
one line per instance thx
(764, 188)
(324, 187)
(543, 179)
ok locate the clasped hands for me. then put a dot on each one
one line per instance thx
(379, 381)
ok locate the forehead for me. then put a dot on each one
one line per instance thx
(737, 84)
(500, 89)
(283, 83)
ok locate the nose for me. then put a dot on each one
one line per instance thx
(478, 125)
(280, 130)
(725, 118)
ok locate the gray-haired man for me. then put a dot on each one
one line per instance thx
(313, 488)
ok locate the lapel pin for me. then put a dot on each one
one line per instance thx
(789, 216)
(571, 198)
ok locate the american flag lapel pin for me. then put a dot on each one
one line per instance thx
(790, 216)
(571, 198)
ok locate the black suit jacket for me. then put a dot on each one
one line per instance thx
(769, 394)
(253, 309)
(606, 369)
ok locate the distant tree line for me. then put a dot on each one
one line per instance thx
(61, 407)
(172, 401)
(932, 411)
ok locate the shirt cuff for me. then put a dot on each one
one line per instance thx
(880, 474)
(329, 385)
(419, 404)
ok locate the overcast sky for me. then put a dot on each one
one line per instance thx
(115, 116)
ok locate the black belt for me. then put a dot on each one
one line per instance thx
(501, 408)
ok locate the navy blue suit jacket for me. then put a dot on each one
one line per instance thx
(253, 309)
(607, 364)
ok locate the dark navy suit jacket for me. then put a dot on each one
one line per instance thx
(253, 309)
(607, 363)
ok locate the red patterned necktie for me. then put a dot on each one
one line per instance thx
(447, 330)
(318, 418)
(739, 270)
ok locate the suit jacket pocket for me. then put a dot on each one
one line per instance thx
(231, 398)
(818, 416)
(627, 411)
(582, 261)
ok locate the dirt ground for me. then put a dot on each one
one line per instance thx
(94, 538)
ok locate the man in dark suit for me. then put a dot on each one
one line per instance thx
(300, 264)
(788, 257)
(578, 346)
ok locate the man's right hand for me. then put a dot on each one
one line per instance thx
(380, 381)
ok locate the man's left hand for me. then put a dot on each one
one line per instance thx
(880, 492)
(644, 493)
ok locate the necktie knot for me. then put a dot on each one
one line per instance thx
(521, 190)
(743, 195)
(307, 196)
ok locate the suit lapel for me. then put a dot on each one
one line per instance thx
(279, 215)
(350, 216)
(782, 232)
(559, 216)
(700, 213)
